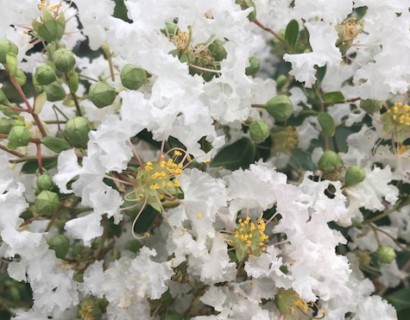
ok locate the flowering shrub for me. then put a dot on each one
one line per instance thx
(220, 159)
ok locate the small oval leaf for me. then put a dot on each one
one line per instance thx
(239, 154)
(327, 124)
(291, 33)
(333, 97)
(55, 144)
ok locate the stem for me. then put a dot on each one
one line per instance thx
(263, 27)
(28, 105)
(39, 158)
(77, 105)
(204, 69)
(13, 152)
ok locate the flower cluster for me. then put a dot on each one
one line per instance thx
(220, 159)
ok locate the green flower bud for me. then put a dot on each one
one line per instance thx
(370, 106)
(330, 161)
(64, 60)
(60, 244)
(6, 47)
(47, 203)
(44, 182)
(50, 28)
(281, 81)
(280, 107)
(253, 67)
(354, 175)
(73, 81)
(132, 77)
(11, 63)
(5, 125)
(55, 92)
(259, 131)
(76, 132)
(21, 77)
(217, 50)
(385, 254)
(102, 94)
(45, 74)
(19, 136)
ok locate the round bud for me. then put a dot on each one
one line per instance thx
(44, 182)
(253, 67)
(47, 203)
(60, 244)
(5, 125)
(6, 47)
(217, 50)
(102, 94)
(281, 81)
(76, 132)
(21, 77)
(259, 131)
(330, 161)
(385, 254)
(133, 77)
(370, 106)
(19, 136)
(55, 92)
(45, 74)
(280, 107)
(64, 60)
(354, 175)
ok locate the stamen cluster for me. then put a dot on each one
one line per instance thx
(249, 238)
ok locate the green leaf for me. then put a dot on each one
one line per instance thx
(291, 33)
(403, 314)
(320, 74)
(327, 124)
(333, 97)
(55, 144)
(239, 154)
(31, 166)
(400, 299)
(145, 220)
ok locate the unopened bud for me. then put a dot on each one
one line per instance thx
(50, 28)
(73, 81)
(5, 125)
(259, 131)
(6, 47)
(102, 94)
(60, 244)
(76, 131)
(370, 106)
(55, 92)
(19, 136)
(385, 254)
(11, 63)
(330, 161)
(354, 175)
(44, 182)
(21, 77)
(133, 77)
(280, 107)
(253, 67)
(45, 74)
(216, 48)
(47, 202)
(64, 60)
(281, 81)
